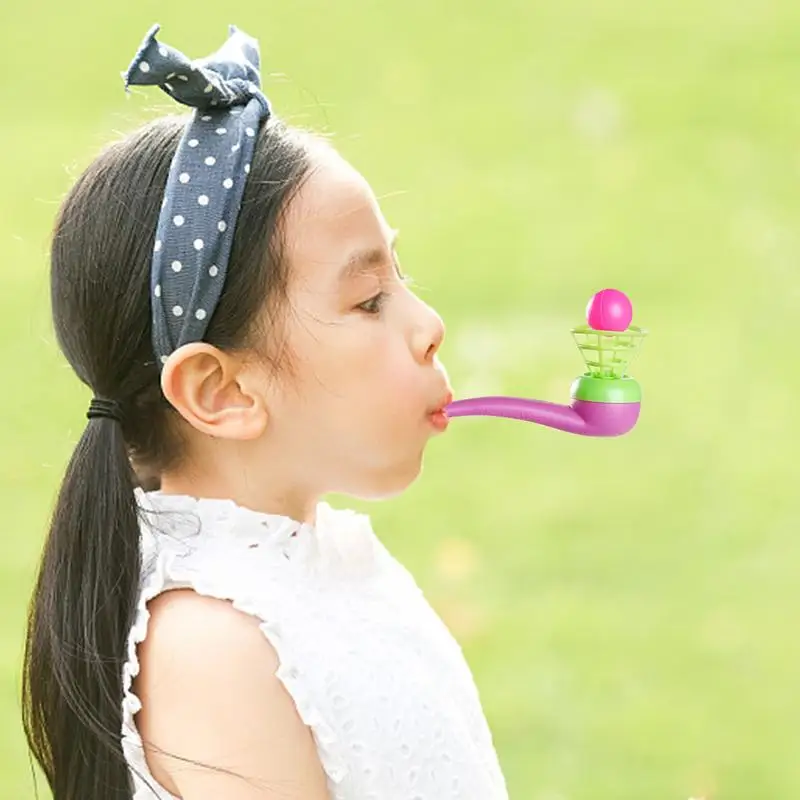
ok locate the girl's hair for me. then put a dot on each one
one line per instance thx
(88, 583)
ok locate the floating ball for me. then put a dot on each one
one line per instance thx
(609, 310)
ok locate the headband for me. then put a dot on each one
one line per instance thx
(206, 178)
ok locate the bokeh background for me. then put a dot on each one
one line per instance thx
(629, 607)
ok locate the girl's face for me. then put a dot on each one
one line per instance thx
(354, 416)
(365, 346)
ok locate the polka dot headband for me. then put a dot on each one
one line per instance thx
(206, 179)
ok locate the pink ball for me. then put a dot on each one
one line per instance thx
(609, 310)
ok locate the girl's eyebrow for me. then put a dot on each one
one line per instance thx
(365, 262)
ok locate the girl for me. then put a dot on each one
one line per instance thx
(203, 625)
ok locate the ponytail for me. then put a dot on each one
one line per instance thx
(82, 608)
(88, 584)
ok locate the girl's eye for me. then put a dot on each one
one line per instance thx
(375, 304)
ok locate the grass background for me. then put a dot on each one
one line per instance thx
(628, 607)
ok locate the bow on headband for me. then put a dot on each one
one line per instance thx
(206, 180)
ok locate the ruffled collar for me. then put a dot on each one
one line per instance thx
(341, 540)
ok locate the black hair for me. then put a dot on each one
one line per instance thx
(85, 595)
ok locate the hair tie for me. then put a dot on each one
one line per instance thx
(206, 180)
(100, 407)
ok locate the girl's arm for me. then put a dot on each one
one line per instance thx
(209, 693)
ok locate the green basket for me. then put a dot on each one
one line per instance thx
(607, 354)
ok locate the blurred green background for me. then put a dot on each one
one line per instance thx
(628, 606)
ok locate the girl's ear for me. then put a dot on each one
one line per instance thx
(208, 388)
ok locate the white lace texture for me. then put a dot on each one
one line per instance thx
(373, 671)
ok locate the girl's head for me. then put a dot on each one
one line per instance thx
(319, 367)
(317, 372)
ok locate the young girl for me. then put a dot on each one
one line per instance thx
(203, 625)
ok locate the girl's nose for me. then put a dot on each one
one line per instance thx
(428, 335)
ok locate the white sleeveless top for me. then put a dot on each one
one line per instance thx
(392, 706)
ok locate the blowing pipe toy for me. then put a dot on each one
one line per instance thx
(605, 400)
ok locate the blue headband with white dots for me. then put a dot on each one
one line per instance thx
(206, 179)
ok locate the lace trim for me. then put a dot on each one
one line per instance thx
(145, 785)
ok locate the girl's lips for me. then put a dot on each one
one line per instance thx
(438, 415)
(442, 406)
(439, 420)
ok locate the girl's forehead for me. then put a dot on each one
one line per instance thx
(334, 215)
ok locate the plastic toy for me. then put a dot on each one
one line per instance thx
(606, 401)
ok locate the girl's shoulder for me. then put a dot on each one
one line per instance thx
(209, 691)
